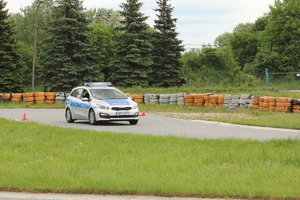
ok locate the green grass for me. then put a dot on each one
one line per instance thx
(42, 158)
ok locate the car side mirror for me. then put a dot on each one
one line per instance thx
(129, 98)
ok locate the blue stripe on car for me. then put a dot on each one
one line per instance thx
(77, 105)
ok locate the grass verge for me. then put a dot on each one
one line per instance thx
(42, 158)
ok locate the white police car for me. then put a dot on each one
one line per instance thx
(100, 102)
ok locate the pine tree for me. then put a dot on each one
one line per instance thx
(70, 58)
(167, 49)
(133, 56)
(11, 64)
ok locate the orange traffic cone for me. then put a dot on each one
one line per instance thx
(24, 117)
(142, 113)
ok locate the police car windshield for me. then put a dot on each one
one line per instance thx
(102, 93)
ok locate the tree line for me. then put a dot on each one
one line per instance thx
(75, 45)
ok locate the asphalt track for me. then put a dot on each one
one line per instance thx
(156, 125)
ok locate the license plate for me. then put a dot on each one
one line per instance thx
(122, 113)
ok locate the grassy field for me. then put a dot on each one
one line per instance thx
(42, 158)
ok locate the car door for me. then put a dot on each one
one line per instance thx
(84, 104)
(75, 101)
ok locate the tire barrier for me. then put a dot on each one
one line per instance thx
(39, 97)
(50, 97)
(28, 98)
(147, 98)
(173, 99)
(180, 99)
(154, 99)
(231, 102)
(60, 97)
(35, 97)
(138, 98)
(164, 99)
(189, 100)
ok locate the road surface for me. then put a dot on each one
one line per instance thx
(156, 125)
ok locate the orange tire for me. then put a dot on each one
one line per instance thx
(5, 96)
(15, 99)
(138, 96)
(39, 94)
(191, 100)
(50, 94)
(189, 96)
(266, 100)
(272, 103)
(280, 104)
(28, 99)
(39, 98)
(28, 95)
(139, 100)
(283, 100)
(199, 104)
(199, 96)
(262, 99)
(272, 108)
(279, 109)
(287, 105)
(199, 100)
(255, 102)
(50, 97)
(16, 95)
(49, 101)
(272, 99)
(266, 105)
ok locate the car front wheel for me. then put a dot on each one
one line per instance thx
(92, 117)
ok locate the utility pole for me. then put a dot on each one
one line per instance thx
(34, 44)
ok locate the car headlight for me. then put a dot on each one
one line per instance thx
(103, 107)
(134, 106)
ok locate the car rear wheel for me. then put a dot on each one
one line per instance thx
(133, 122)
(92, 117)
(68, 115)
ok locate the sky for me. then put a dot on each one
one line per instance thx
(198, 21)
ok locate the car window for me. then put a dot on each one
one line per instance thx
(86, 94)
(76, 93)
(107, 94)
